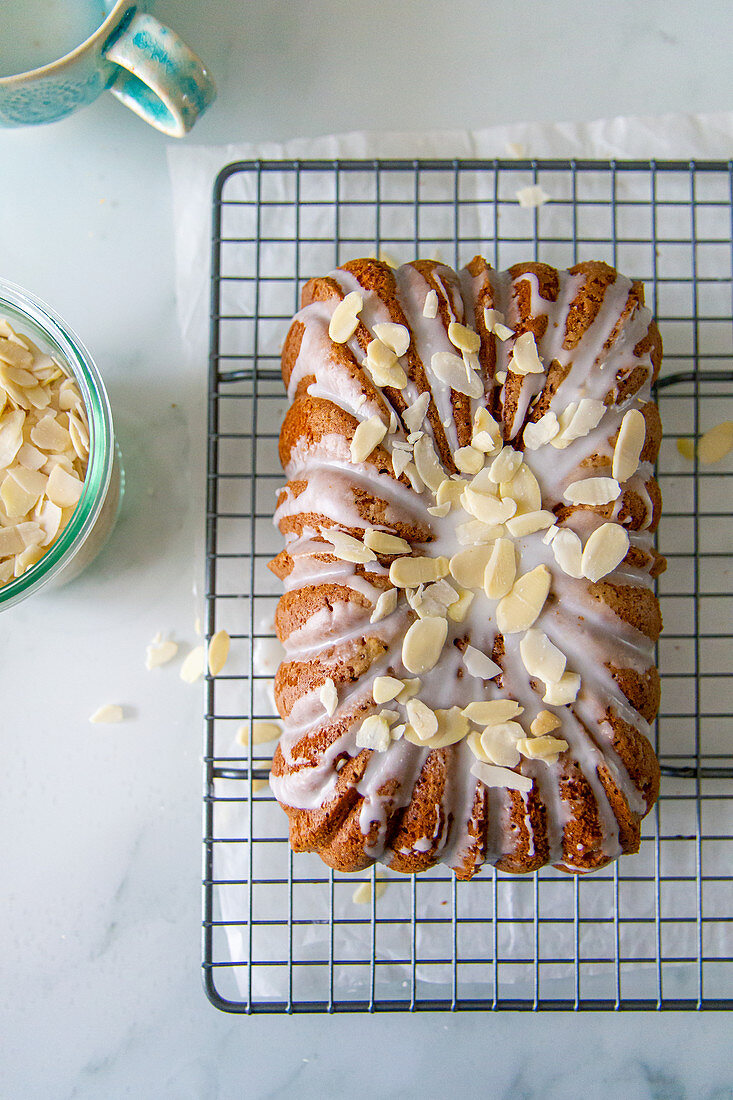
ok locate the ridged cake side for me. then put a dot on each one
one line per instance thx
(574, 353)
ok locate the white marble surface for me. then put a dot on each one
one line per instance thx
(100, 993)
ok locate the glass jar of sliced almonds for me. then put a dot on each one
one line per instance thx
(60, 473)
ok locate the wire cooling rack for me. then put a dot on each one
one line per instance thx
(283, 933)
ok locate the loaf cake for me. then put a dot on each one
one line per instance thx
(469, 617)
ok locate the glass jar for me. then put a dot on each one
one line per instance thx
(96, 511)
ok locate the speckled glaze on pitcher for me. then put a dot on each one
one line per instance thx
(131, 54)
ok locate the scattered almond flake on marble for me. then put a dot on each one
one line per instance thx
(716, 443)
(193, 665)
(159, 653)
(385, 605)
(532, 196)
(479, 665)
(110, 712)
(594, 491)
(329, 696)
(263, 732)
(492, 776)
(218, 652)
(363, 894)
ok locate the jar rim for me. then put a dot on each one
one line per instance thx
(47, 327)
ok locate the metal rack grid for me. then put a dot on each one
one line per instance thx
(280, 932)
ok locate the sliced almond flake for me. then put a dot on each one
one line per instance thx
(347, 548)
(394, 424)
(194, 664)
(26, 558)
(489, 712)
(525, 359)
(423, 720)
(360, 401)
(373, 734)
(542, 748)
(31, 533)
(49, 435)
(382, 542)
(479, 665)
(345, 318)
(21, 489)
(415, 480)
(564, 691)
(38, 397)
(11, 542)
(396, 337)
(414, 414)
(30, 457)
(499, 743)
(500, 377)
(409, 572)
(384, 606)
(629, 445)
(21, 377)
(413, 437)
(262, 732)
(542, 431)
(467, 566)
(160, 653)
(486, 508)
(541, 657)
(529, 522)
(381, 357)
(476, 533)
(368, 435)
(363, 894)
(452, 728)
(386, 688)
(505, 466)
(393, 377)
(484, 442)
(500, 571)
(397, 732)
(605, 549)
(449, 491)
(532, 196)
(524, 489)
(545, 722)
(520, 609)
(686, 447)
(48, 516)
(218, 652)
(716, 443)
(63, 488)
(451, 370)
(469, 460)
(410, 689)
(595, 491)
(430, 306)
(15, 355)
(69, 396)
(423, 644)
(15, 393)
(463, 337)
(502, 333)
(457, 611)
(493, 317)
(400, 461)
(329, 696)
(11, 437)
(79, 436)
(492, 776)
(428, 464)
(108, 713)
(439, 510)
(6, 571)
(443, 592)
(560, 441)
(549, 535)
(568, 552)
